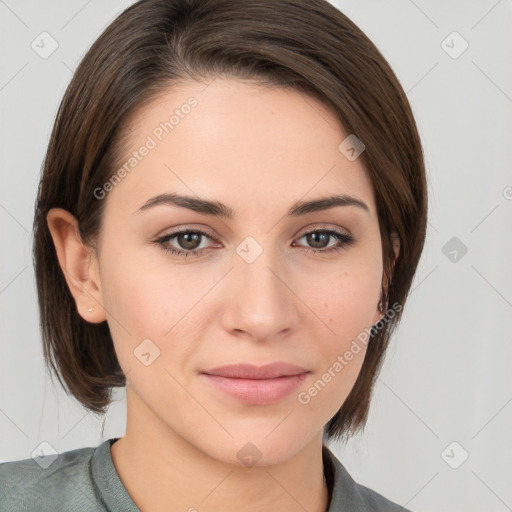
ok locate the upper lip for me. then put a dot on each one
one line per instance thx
(250, 371)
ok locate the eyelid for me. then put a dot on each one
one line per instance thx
(344, 240)
(299, 234)
(322, 227)
(185, 229)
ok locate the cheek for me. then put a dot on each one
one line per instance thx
(346, 303)
(347, 300)
(137, 299)
(147, 298)
(346, 306)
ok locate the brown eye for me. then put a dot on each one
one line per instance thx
(189, 240)
(318, 240)
(186, 242)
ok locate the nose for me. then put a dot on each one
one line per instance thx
(260, 302)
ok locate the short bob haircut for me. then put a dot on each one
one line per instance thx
(305, 45)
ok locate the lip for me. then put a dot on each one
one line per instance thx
(251, 371)
(257, 385)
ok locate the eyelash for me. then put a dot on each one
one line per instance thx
(344, 240)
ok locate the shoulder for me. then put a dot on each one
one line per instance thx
(376, 502)
(49, 483)
(348, 495)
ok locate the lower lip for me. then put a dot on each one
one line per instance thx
(257, 391)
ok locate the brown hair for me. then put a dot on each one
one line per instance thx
(307, 45)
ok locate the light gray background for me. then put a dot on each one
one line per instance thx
(447, 374)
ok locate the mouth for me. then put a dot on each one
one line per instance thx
(257, 385)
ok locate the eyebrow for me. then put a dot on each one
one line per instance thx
(221, 210)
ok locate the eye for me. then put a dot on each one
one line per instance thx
(319, 238)
(189, 242)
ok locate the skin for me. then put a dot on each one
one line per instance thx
(257, 150)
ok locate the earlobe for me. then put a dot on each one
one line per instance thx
(395, 241)
(379, 313)
(383, 304)
(78, 264)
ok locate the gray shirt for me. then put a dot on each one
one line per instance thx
(85, 480)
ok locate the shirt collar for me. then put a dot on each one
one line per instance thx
(342, 488)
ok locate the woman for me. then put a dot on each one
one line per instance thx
(230, 215)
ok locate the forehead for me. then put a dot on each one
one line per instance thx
(234, 140)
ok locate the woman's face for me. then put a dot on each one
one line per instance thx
(251, 289)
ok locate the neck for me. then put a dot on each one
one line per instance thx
(163, 471)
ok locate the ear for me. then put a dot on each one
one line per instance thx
(78, 263)
(380, 314)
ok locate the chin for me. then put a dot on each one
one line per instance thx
(258, 448)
